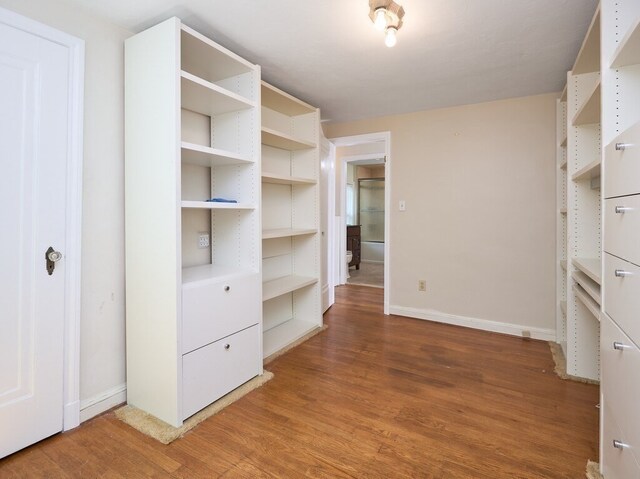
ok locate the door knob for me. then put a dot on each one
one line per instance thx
(52, 257)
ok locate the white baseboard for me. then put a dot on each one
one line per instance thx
(102, 402)
(475, 323)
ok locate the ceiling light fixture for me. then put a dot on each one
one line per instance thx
(386, 15)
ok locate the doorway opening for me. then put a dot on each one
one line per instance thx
(363, 174)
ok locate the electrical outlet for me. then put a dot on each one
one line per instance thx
(526, 334)
(422, 285)
(203, 240)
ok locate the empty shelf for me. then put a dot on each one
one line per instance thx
(198, 274)
(592, 170)
(284, 141)
(287, 284)
(628, 52)
(592, 267)
(284, 334)
(205, 156)
(286, 180)
(589, 112)
(590, 286)
(212, 205)
(275, 99)
(286, 232)
(585, 299)
(208, 98)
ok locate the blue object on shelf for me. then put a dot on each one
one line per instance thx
(221, 200)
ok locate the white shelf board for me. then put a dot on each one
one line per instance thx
(284, 334)
(209, 99)
(592, 267)
(284, 141)
(563, 143)
(563, 211)
(588, 59)
(286, 180)
(563, 264)
(212, 205)
(589, 111)
(203, 53)
(563, 165)
(287, 284)
(587, 300)
(590, 286)
(563, 307)
(206, 156)
(210, 272)
(287, 232)
(592, 170)
(628, 52)
(278, 100)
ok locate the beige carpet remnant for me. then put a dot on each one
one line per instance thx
(561, 365)
(165, 433)
(593, 470)
(297, 342)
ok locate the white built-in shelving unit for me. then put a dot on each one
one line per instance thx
(193, 267)
(620, 266)
(579, 235)
(290, 219)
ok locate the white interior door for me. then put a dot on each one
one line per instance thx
(34, 143)
(327, 213)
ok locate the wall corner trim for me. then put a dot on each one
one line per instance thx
(474, 323)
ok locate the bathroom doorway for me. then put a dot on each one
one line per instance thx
(365, 213)
(370, 153)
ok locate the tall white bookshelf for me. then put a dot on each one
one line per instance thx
(290, 219)
(620, 342)
(583, 211)
(193, 266)
(561, 220)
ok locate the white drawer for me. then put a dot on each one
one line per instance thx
(622, 295)
(622, 228)
(623, 166)
(616, 463)
(214, 310)
(211, 372)
(620, 360)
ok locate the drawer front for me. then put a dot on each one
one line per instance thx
(620, 360)
(622, 295)
(616, 463)
(215, 310)
(622, 227)
(211, 372)
(623, 166)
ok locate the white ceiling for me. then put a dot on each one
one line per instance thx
(449, 52)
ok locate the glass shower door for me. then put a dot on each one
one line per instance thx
(371, 210)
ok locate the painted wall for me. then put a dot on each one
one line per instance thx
(479, 225)
(102, 326)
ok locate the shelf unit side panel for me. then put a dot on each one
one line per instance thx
(583, 342)
(152, 176)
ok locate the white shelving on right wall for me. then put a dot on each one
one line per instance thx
(290, 219)
(583, 231)
(620, 342)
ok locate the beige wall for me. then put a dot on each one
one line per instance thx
(102, 325)
(479, 225)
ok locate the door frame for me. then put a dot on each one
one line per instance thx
(329, 164)
(384, 136)
(73, 227)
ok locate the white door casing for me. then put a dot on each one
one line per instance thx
(40, 138)
(327, 213)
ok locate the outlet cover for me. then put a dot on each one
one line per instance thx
(203, 240)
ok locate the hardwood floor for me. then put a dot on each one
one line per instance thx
(373, 396)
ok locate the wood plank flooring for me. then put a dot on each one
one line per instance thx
(374, 396)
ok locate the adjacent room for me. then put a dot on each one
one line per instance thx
(320, 238)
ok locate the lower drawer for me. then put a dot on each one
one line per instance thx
(621, 281)
(211, 372)
(617, 462)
